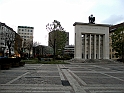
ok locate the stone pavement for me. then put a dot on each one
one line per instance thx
(64, 78)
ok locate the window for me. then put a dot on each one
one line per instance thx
(112, 50)
(2, 43)
(112, 55)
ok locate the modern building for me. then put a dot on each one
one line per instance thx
(7, 36)
(69, 50)
(26, 33)
(42, 50)
(111, 31)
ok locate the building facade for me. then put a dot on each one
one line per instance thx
(111, 31)
(69, 50)
(18, 43)
(25, 32)
(7, 36)
(27, 35)
(42, 50)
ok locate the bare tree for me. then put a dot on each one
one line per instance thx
(28, 44)
(9, 39)
(35, 44)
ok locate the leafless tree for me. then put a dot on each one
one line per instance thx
(9, 40)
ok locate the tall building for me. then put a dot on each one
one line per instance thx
(111, 31)
(7, 35)
(27, 35)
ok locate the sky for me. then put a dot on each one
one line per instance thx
(38, 13)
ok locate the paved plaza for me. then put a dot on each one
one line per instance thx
(64, 78)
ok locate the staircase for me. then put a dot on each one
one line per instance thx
(92, 61)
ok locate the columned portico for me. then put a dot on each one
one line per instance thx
(91, 41)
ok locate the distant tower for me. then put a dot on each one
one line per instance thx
(91, 19)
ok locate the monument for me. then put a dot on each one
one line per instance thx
(91, 40)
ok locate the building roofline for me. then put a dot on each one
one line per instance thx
(80, 23)
(3, 24)
(25, 27)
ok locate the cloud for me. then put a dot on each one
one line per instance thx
(114, 19)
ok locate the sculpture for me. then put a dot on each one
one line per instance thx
(91, 19)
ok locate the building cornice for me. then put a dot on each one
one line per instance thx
(80, 23)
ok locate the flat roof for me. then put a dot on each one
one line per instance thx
(80, 23)
(25, 27)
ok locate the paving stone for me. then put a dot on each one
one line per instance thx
(47, 78)
(102, 81)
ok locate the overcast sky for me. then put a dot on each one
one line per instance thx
(37, 13)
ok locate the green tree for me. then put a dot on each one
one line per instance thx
(118, 42)
(57, 37)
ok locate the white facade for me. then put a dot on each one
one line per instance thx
(91, 41)
(26, 32)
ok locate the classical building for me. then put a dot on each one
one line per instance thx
(111, 31)
(91, 41)
(27, 35)
(7, 34)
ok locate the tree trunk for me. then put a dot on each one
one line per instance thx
(9, 51)
(54, 49)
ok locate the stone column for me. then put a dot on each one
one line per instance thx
(85, 46)
(95, 46)
(90, 47)
(106, 46)
(99, 47)
(78, 45)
